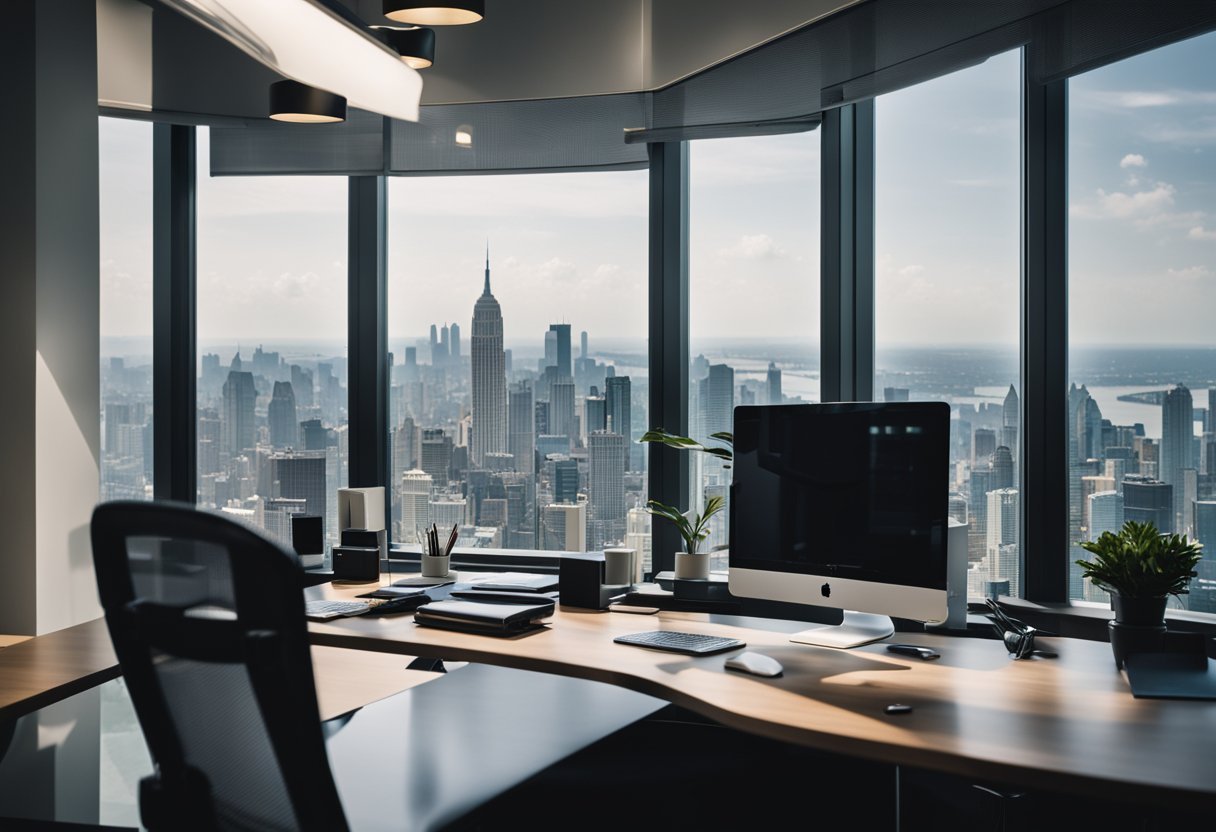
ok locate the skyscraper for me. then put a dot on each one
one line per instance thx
(619, 391)
(521, 428)
(565, 366)
(582, 337)
(1177, 437)
(281, 415)
(301, 477)
(607, 475)
(718, 399)
(773, 377)
(1011, 415)
(983, 444)
(239, 399)
(1003, 537)
(1147, 500)
(435, 455)
(454, 344)
(895, 394)
(1105, 510)
(561, 409)
(565, 481)
(489, 376)
(416, 486)
(595, 414)
(565, 527)
(1002, 468)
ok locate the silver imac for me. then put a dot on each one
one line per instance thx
(843, 505)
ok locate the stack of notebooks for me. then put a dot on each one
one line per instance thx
(485, 617)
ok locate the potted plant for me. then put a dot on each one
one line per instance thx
(1140, 568)
(693, 528)
(690, 564)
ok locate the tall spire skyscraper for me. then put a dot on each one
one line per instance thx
(489, 376)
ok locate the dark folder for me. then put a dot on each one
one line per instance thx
(485, 618)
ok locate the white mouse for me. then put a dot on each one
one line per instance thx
(756, 664)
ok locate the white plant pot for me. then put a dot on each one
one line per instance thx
(691, 567)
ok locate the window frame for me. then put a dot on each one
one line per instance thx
(846, 320)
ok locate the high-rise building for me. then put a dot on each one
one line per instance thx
(314, 434)
(521, 428)
(565, 528)
(582, 337)
(435, 455)
(618, 395)
(895, 394)
(1147, 500)
(454, 344)
(565, 481)
(983, 444)
(1177, 438)
(1011, 416)
(240, 396)
(1003, 537)
(301, 385)
(1002, 468)
(638, 537)
(1205, 526)
(718, 400)
(416, 487)
(1104, 513)
(606, 487)
(489, 376)
(405, 445)
(773, 383)
(281, 415)
(561, 409)
(301, 476)
(565, 366)
(595, 414)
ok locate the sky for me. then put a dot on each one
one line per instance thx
(572, 247)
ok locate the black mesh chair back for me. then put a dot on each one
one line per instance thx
(207, 619)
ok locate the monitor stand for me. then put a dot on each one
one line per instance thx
(856, 629)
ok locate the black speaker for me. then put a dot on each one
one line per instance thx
(308, 534)
(367, 538)
(356, 563)
(580, 581)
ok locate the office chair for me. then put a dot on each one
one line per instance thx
(207, 620)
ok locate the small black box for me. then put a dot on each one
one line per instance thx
(356, 563)
(308, 534)
(367, 539)
(579, 579)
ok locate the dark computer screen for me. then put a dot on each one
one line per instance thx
(846, 490)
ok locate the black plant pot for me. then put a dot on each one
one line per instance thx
(1139, 626)
(1139, 612)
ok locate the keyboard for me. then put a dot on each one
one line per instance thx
(322, 610)
(692, 644)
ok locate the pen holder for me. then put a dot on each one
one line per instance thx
(435, 567)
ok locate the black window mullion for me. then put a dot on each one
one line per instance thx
(669, 327)
(1044, 358)
(847, 254)
(367, 349)
(174, 292)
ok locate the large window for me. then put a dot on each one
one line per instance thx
(946, 289)
(272, 385)
(125, 206)
(517, 327)
(1142, 290)
(753, 290)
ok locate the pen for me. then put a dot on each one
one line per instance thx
(451, 542)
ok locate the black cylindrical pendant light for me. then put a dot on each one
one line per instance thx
(416, 46)
(435, 12)
(300, 103)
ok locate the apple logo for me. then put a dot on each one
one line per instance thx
(826, 590)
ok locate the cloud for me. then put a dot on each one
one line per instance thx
(1141, 99)
(754, 247)
(289, 285)
(1201, 233)
(1132, 160)
(1141, 205)
(1188, 273)
(910, 270)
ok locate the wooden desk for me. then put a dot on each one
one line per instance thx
(41, 671)
(1067, 725)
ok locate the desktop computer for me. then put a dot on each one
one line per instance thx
(843, 505)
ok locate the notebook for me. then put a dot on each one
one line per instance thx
(485, 618)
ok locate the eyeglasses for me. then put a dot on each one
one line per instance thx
(1018, 636)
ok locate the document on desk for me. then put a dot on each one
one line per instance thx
(484, 618)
